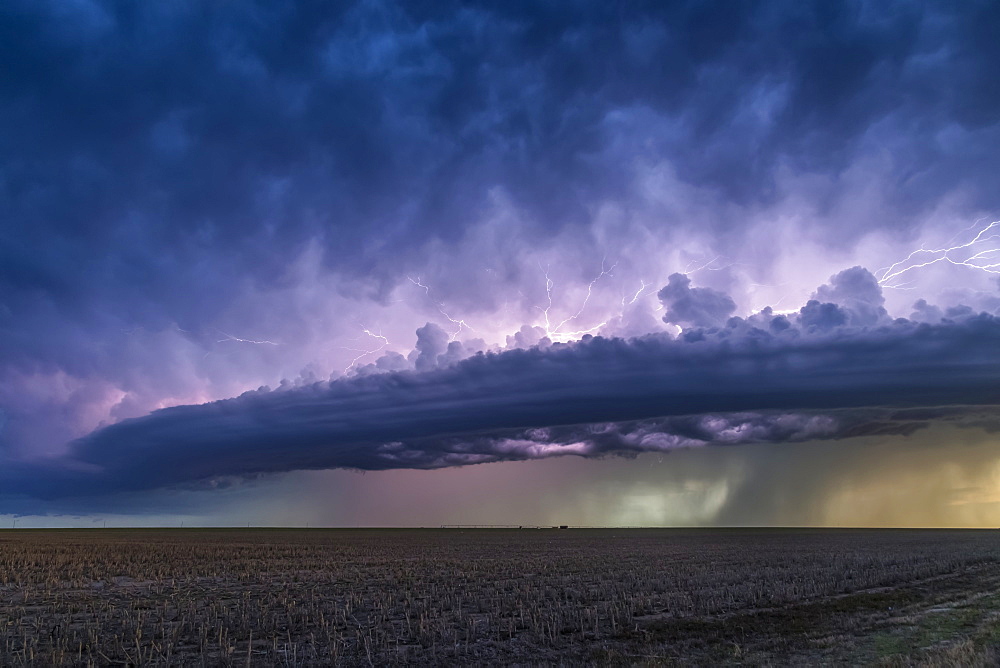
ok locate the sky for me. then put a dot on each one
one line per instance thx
(588, 263)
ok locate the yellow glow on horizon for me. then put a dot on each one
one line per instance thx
(955, 483)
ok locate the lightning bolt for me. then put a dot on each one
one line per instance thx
(590, 290)
(638, 293)
(773, 305)
(236, 339)
(707, 266)
(978, 253)
(417, 283)
(440, 307)
(362, 353)
(554, 333)
(548, 295)
(628, 301)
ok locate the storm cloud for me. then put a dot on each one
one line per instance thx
(197, 200)
(731, 385)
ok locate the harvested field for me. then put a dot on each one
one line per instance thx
(376, 597)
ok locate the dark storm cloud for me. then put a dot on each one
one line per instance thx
(856, 290)
(737, 384)
(174, 144)
(694, 307)
(154, 132)
(161, 164)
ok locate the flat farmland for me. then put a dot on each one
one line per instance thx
(374, 597)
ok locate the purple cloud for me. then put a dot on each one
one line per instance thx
(192, 206)
(694, 307)
(735, 384)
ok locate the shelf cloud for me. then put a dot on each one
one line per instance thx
(767, 378)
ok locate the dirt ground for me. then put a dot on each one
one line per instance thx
(266, 597)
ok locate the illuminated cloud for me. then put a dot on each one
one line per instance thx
(694, 307)
(201, 201)
(750, 381)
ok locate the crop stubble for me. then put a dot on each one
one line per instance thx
(378, 597)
